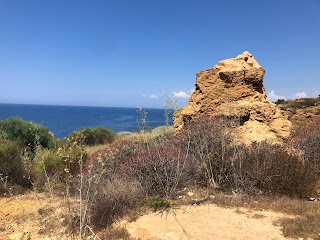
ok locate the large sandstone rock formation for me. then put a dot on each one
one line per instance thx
(234, 89)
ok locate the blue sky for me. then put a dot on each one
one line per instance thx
(125, 53)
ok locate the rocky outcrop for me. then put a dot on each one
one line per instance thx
(234, 89)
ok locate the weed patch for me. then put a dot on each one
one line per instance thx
(159, 204)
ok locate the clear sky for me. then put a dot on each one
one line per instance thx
(125, 53)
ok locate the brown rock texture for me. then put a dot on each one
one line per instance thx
(234, 89)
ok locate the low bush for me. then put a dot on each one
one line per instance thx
(95, 136)
(262, 168)
(306, 139)
(55, 166)
(160, 170)
(107, 162)
(221, 162)
(159, 204)
(271, 169)
(12, 167)
(113, 199)
(206, 141)
(31, 134)
(280, 101)
(104, 167)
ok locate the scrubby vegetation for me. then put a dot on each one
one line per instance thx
(297, 103)
(151, 167)
(94, 136)
(12, 167)
(30, 134)
(56, 166)
(306, 140)
(205, 154)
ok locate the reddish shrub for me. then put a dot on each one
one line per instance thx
(107, 162)
(159, 169)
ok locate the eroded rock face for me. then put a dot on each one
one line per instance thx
(234, 89)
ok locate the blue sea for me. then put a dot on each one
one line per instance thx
(62, 120)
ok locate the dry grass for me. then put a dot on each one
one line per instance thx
(133, 214)
(142, 136)
(115, 233)
(258, 216)
(147, 135)
(305, 227)
(93, 149)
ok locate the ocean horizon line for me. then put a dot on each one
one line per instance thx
(64, 119)
(66, 105)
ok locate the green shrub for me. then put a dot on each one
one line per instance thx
(280, 101)
(159, 203)
(94, 136)
(55, 166)
(11, 164)
(31, 134)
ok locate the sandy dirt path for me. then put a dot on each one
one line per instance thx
(22, 215)
(207, 222)
(30, 214)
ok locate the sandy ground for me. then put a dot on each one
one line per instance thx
(29, 214)
(33, 214)
(207, 222)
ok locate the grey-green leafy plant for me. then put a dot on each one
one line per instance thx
(170, 104)
(142, 120)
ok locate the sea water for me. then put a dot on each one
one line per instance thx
(62, 120)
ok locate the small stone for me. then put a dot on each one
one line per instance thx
(190, 194)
